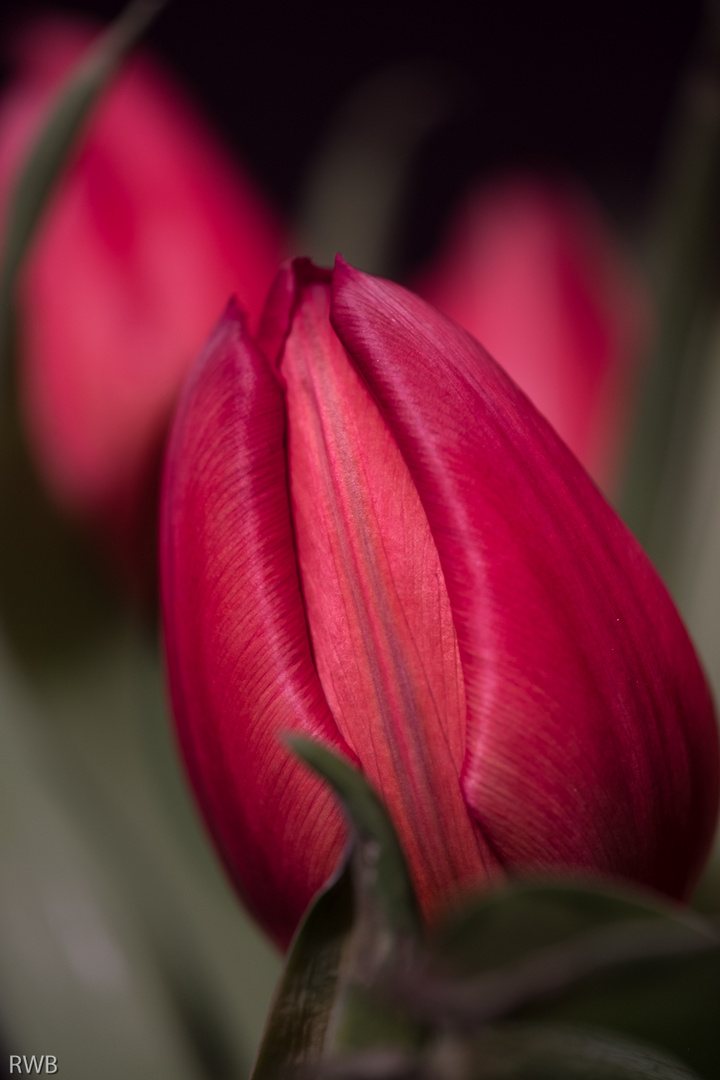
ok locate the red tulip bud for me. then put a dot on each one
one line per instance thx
(370, 536)
(147, 235)
(533, 271)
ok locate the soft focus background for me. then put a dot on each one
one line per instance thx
(554, 85)
(365, 126)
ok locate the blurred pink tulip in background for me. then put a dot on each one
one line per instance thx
(533, 271)
(149, 233)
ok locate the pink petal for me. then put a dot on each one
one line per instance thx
(239, 660)
(380, 622)
(591, 739)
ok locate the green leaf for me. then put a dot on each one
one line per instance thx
(386, 928)
(568, 954)
(382, 865)
(505, 925)
(515, 1052)
(297, 1026)
(539, 1052)
(669, 1001)
(55, 142)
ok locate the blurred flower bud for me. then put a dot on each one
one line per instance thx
(147, 235)
(533, 271)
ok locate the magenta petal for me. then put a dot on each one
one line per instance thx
(591, 736)
(380, 622)
(239, 661)
(281, 302)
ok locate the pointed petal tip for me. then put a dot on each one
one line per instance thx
(233, 322)
(308, 273)
(277, 313)
(292, 277)
(234, 311)
(343, 271)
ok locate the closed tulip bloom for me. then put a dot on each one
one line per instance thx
(370, 536)
(533, 271)
(147, 235)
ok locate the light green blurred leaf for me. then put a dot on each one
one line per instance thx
(76, 977)
(133, 798)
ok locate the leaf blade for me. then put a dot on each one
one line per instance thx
(383, 862)
(297, 1026)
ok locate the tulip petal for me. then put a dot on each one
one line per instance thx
(591, 736)
(239, 661)
(380, 622)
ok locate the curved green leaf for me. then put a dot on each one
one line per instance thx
(382, 865)
(571, 954)
(297, 1026)
(386, 928)
(669, 1001)
(503, 926)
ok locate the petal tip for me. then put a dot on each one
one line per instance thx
(234, 312)
(282, 300)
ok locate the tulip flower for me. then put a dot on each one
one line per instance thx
(369, 535)
(531, 269)
(150, 231)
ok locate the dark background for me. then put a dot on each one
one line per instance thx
(587, 87)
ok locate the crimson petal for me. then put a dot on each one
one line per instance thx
(239, 661)
(591, 735)
(377, 608)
